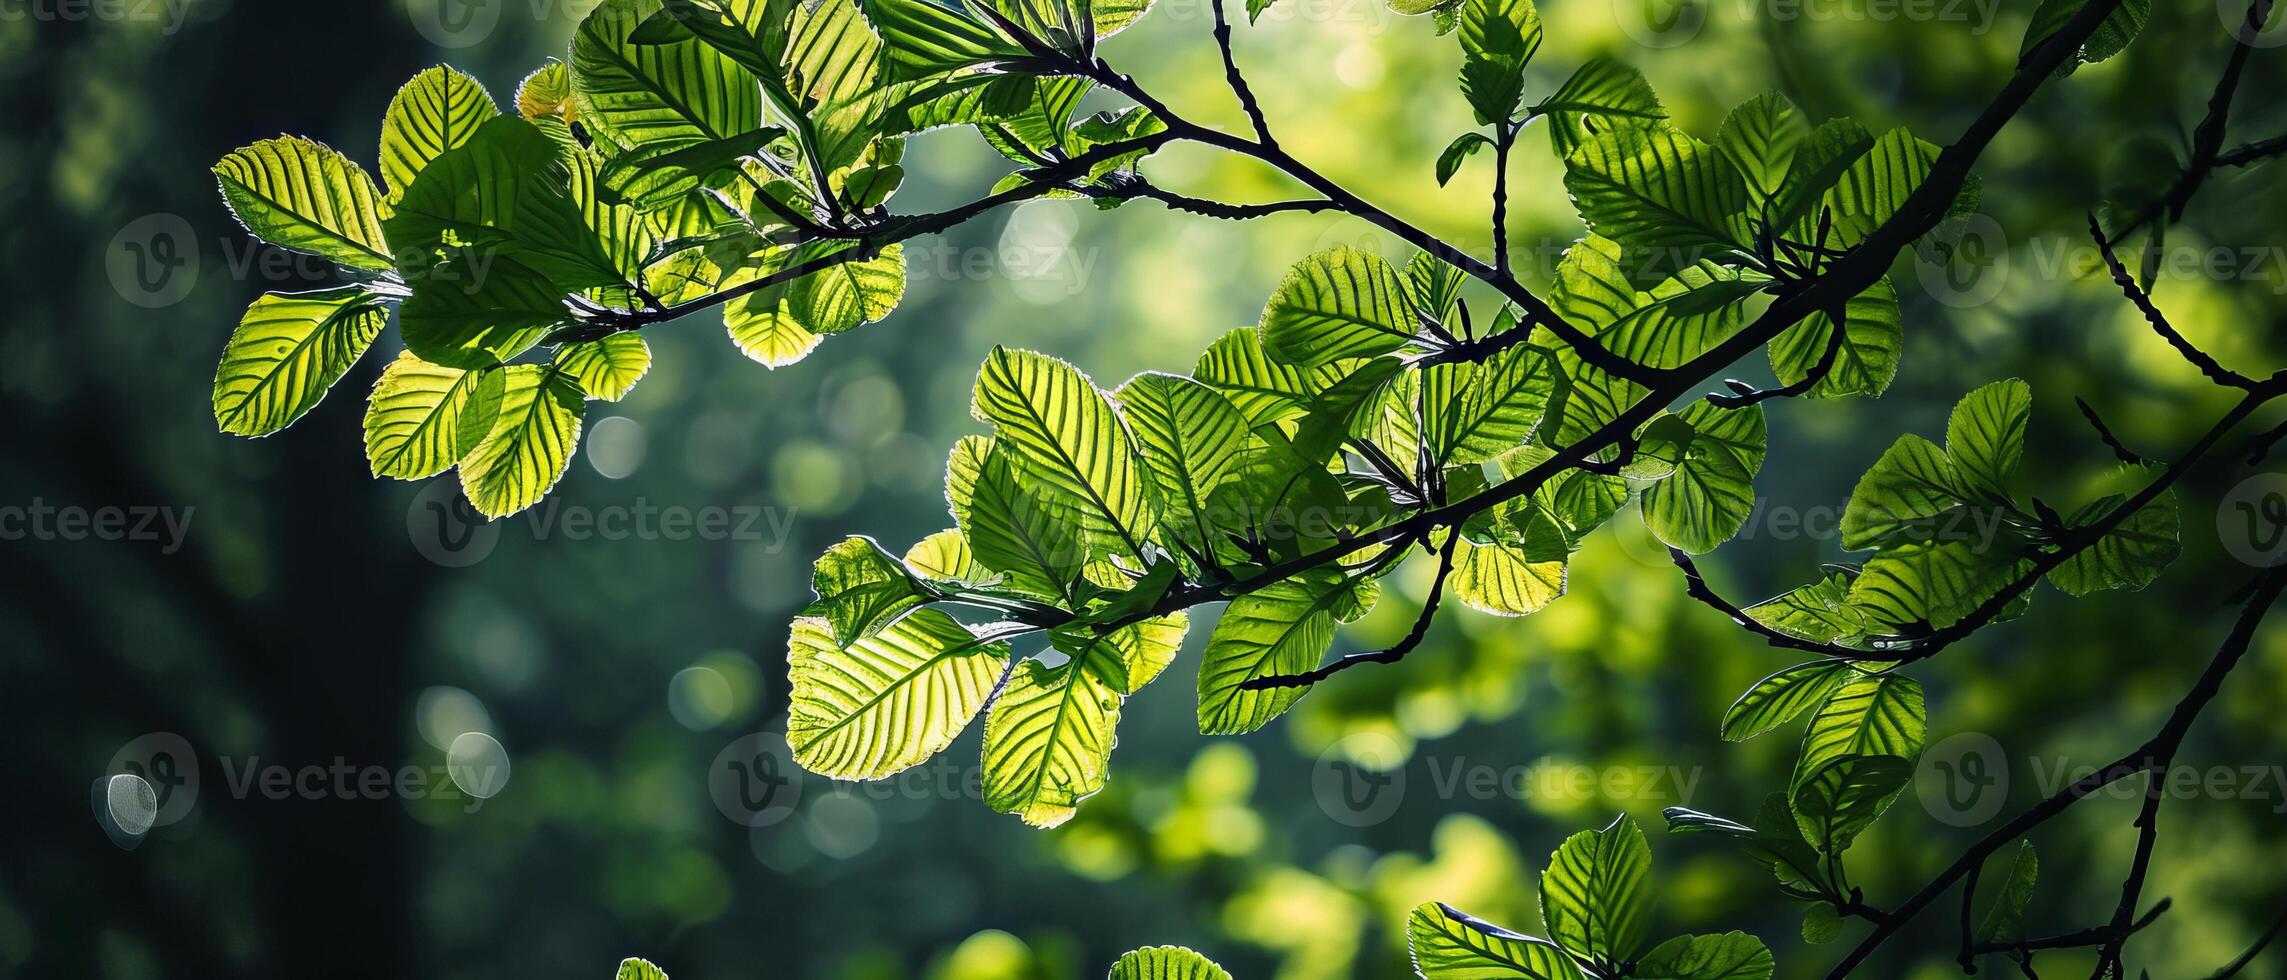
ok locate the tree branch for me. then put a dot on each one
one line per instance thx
(2199, 359)
(1392, 655)
(2162, 746)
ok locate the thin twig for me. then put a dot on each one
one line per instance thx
(2104, 432)
(2161, 745)
(1392, 655)
(2199, 359)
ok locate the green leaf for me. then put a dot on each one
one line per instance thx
(1048, 738)
(502, 196)
(1775, 842)
(1729, 956)
(850, 294)
(1777, 699)
(657, 175)
(1712, 492)
(288, 350)
(1935, 583)
(861, 588)
(1911, 483)
(2111, 37)
(1463, 147)
(436, 111)
(1985, 438)
(1448, 944)
(1844, 795)
(1434, 285)
(524, 453)
(944, 558)
(769, 329)
(607, 368)
(1339, 303)
(924, 39)
(1818, 163)
(676, 95)
(1873, 714)
(2130, 555)
(1821, 925)
(1505, 581)
(964, 465)
(635, 969)
(303, 195)
(1819, 612)
(422, 417)
(1166, 963)
(2005, 920)
(1868, 358)
(1192, 440)
(1656, 189)
(1144, 649)
(1064, 439)
(1759, 137)
(1280, 629)
(1012, 531)
(1263, 390)
(1473, 413)
(1596, 894)
(483, 321)
(1602, 95)
(889, 701)
(1498, 38)
(1682, 316)
(1875, 186)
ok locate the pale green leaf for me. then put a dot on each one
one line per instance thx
(1192, 439)
(422, 417)
(1985, 437)
(1049, 736)
(1777, 699)
(1712, 491)
(889, 701)
(1759, 137)
(656, 95)
(1011, 530)
(1601, 95)
(1166, 963)
(1596, 894)
(303, 195)
(1498, 38)
(288, 350)
(1448, 944)
(607, 368)
(1505, 581)
(1656, 189)
(523, 455)
(436, 111)
(1280, 629)
(1339, 303)
(861, 588)
(1064, 439)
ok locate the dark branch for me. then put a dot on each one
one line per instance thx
(2207, 140)
(2104, 432)
(2159, 750)
(1392, 655)
(1238, 81)
(1743, 394)
(2199, 359)
(1695, 585)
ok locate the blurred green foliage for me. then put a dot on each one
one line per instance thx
(300, 621)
